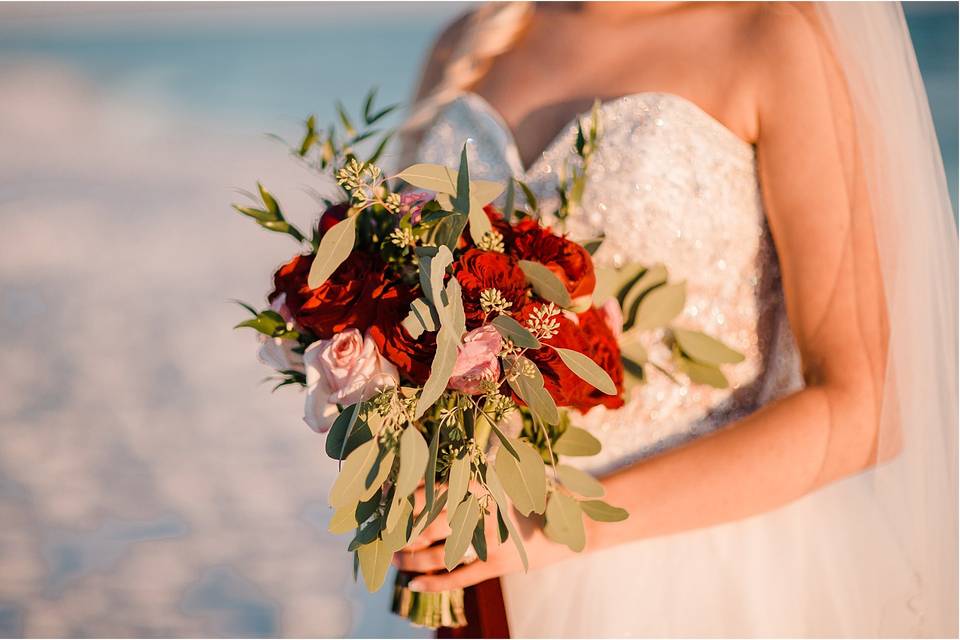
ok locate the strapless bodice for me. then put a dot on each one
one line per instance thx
(667, 183)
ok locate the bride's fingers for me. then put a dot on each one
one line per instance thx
(439, 529)
(425, 560)
(461, 577)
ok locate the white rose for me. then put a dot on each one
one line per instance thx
(341, 371)
(278, 352)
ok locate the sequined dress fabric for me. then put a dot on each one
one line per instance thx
(667, 183)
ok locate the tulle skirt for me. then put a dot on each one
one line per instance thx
(826, 565)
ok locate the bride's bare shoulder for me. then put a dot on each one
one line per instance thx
(443, 47)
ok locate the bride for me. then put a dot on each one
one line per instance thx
(779, 158)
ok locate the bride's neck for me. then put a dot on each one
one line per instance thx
(611, 10)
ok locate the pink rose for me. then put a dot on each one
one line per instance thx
(477, 360)
(279, 352)
(343, 370)
(613, 317)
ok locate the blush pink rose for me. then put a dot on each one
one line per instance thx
(279, 353)
(613, 317)
(343, 370)
(477, 360)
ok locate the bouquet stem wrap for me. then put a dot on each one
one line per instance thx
(431, 610)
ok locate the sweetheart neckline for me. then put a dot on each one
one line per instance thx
(525, 171)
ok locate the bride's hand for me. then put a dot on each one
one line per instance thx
(419, 556)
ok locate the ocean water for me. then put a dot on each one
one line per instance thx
(149, 485)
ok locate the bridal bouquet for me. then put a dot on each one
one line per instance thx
(444, 342)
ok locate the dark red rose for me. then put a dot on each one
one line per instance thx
(477, 270)
(347, 300)
(411, 357)
(601, 346)
(589, 335)
(566, 258)
(334, 214)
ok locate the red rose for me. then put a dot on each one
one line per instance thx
(600, 345)
(566, 258)
(499, 224)
(412, 358)
(477, 270)
(347, 300)
(334, 214)
(589, 335)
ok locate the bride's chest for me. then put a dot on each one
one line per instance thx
(666, 183)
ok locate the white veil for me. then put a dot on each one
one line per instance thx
(906, 192)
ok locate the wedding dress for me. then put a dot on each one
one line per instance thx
(668, 183)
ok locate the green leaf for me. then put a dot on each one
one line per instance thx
(374, 481)
(503, 505)
(461, 531)
(448, 342)
(592, 245)
(504, 440)
(432, 271)
(365, 535)
(525, 479)
(576, 442)
(380, 148)
(458, 482)
(510, 204)
(515, 332)
(367, 508)
(256, 214)
(703, 373)
(660, 306)
(532, 392)
(422, 317)
(342, 520)
(461, 201)
(349, 485)
(380, 114)
(565, 521)
(580, 481)
(432, 177)
(428, 515)
(587, 370)
(335, 446)
(430, 475)
(245, 306)
(704, 349)
(345, 120)
(502, 532)
(396, 537)
(335, 247)
(374, 562)
(267, 322)
(480, 539)
(530, 197)
(602, 512)
(413, 461)
(546, 283)
(449, 230)
(270, 202)
(635, 289)
(368, 104)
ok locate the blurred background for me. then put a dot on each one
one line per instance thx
(149, 484)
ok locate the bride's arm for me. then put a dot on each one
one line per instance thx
(834, 301)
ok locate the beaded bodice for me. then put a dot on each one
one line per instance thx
(667, 183)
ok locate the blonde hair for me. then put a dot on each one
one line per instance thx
(489, 32)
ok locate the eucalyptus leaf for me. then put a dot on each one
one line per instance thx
(365, 535)
(580, 482)
(503, 506)
(375, 483)
(510, 203)
(396, 537)
(530, 197)
(704, 349)
(461, 531)
(461, 201)
(532, 391)
(602, 512)
(504, 440)
(458, 482)
(422, 317)
(545, 283)
(335, 247)
(515, 332)
(430, 475)
(479, 539)
(335, 446)
(374, 562)
(427, 516)
(576, 442)
(366, 509)
(703, 373)
(448, 343)
(413, 461)
(524, 479)
(502, 532)
(660, 306)
(565, 521)
(349, 485)
(449, 230)
(587, 370)
(342, 520)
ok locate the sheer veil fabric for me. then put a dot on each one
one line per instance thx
(875, 554)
